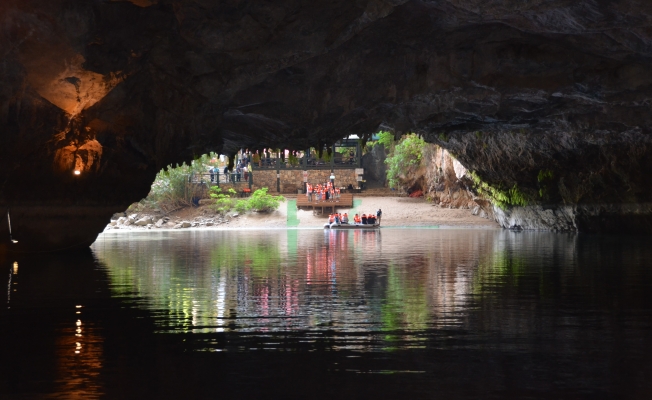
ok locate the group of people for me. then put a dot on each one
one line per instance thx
(322, 192)
(365, 219)
(242, 170)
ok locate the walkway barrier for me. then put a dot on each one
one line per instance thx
(344, 201)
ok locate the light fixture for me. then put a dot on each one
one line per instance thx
(77, 172)
(9, 224)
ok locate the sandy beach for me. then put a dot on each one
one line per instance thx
(397, 211)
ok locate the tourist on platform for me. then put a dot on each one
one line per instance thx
(212, 174)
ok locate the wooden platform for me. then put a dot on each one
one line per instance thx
(345, 201)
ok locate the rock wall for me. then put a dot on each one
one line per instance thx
(446, 183)
(374, 165)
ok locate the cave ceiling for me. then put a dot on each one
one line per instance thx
(124, 88)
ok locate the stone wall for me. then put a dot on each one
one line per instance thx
(292, 180)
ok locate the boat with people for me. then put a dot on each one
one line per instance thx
(351, 226)
(339, 221)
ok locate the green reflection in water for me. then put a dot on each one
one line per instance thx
(306, 280)
(406, 305)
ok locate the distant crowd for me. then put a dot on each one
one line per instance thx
(322, 192)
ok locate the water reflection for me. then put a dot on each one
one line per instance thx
(305, 313)
(381, 290)
(49, 346)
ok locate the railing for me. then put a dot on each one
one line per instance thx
(312, 164)
(217, 178)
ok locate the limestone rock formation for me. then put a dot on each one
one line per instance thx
(117, 90)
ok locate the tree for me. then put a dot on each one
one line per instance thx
(405, 159)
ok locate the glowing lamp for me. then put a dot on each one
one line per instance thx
(77, 172)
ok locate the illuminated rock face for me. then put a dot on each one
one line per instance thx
(118, 90)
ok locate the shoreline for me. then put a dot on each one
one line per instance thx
(398, 212)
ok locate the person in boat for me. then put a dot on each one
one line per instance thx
(345, 218)
(336, 221)
(371, 219)
(331, 221)
(356, 219)
(364, 219)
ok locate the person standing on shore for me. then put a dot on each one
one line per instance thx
(379, 214)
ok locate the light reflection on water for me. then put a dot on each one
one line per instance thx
(397, 313)
(363, 290)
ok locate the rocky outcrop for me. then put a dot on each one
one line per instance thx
(140, 221)
(117, 90)
(446, 181)
(623, 218)
(373, 163)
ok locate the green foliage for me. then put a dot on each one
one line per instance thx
(224, 202)
(259, 201)
(242, 206)
(501, 198)
(544, 174)
(169, 189)
(443, 137)
(478, 134)
(386, 139)
(404, 159)
(293, 160)
(326, 156)
(544, 177)
(262, 202)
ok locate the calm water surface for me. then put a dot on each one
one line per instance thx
(396, 313)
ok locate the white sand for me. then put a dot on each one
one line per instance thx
(397, 211)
